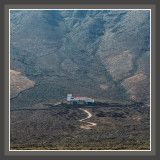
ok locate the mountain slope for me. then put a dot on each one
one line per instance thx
(91, 53)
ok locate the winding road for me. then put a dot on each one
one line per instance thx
(87, 125)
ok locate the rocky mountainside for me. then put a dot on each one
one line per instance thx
(103, 54)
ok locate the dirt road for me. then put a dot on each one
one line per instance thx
(87, 125)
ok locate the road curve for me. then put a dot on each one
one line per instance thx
(87, 125)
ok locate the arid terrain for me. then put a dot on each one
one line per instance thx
(18, 83)
(100, 54)
(60, 127)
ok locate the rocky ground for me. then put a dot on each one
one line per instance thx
(59, 128)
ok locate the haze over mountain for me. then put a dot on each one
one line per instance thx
(103, 54)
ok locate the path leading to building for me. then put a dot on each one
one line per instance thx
(87, 125)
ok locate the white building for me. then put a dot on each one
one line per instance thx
(79, 99)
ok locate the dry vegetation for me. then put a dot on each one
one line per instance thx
(18, 83)
(136, 85)
(99, 54)
(56, 128)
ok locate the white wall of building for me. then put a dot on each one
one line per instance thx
(70, 99)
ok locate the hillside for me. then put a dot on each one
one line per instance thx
(18, 83)
(98, 54)
(101, 54)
